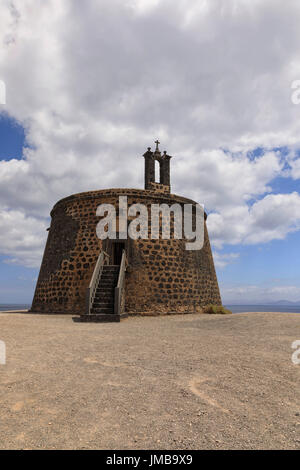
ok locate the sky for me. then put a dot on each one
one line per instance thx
(90, 85)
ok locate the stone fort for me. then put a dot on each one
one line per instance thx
(105, 280)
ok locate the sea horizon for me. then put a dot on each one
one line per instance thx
(235, 308)
(8, 306)
(242, 308)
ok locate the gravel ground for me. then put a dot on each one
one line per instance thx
(176, 382)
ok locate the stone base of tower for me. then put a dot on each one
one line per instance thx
(102, 318)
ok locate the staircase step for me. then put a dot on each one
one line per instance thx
(102, 304)
(105, 286)
(104, 295)
(102, 290)
(102, 310)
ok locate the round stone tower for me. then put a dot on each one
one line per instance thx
(160, 277)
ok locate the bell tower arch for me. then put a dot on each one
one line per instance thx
(164, 184)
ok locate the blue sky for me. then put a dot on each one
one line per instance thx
(17, 282)
(12, 138)
(215, 85)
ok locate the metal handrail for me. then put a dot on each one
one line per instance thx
(120, 284)
(103, 259)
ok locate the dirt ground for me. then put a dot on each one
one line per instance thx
(176, 382)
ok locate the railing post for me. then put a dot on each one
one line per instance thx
(116, 306)
(120, 285)
(87, 301)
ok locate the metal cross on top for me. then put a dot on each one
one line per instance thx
(157, 143)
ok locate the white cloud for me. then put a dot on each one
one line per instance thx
(22, 238)
(223, 259)
(223, 180)
(255, 294)
(94, 83)
(274, 217)
(294, 168)
(271, 218)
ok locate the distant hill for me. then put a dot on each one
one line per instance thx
(284, 302)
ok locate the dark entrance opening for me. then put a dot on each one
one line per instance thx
(117, 250)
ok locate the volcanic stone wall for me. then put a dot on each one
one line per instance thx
(162, 188)
(162, 276)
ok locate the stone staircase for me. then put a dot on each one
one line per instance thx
(103, 306)
(104, 299)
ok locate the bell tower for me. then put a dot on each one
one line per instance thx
(164, 184)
